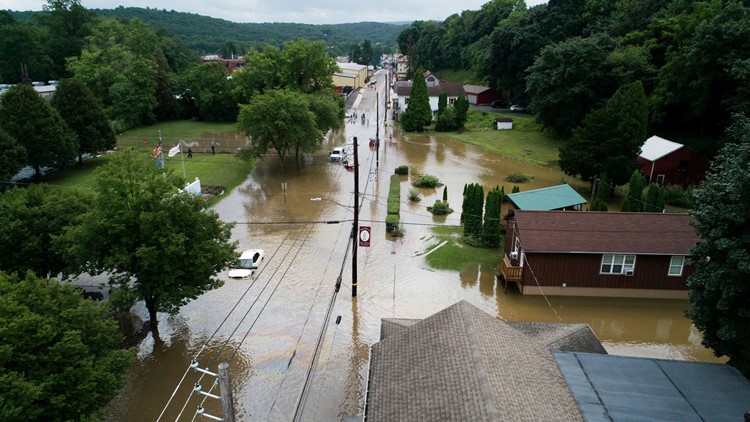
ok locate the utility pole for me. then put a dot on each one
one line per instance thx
(225, 384)
(377, 130)
(355, 236)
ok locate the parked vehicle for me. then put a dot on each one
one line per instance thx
(498, 104)
(337, 154)
(246, 265)
(516, 107)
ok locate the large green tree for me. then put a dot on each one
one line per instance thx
(22, 43)
(719, 291)
(60, 357)
(491, 226)
(30, 220)
(12, 156)
(38, 127)
(212, 92)
(610, 138)
(67, 23)
(568, 80)
(308, 66)
(419, 113)
(157, 244)
(280, 120)
(85, 115)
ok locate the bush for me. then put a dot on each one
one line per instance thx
(394, 195)
(398, 231)
(414, 195)
(440, 208)
(427, 181)
(402, 170)
(599, 205)
(676, 196)
(518, 178)
(391, 222)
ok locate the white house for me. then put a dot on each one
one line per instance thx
(402, 66)
(434, 88)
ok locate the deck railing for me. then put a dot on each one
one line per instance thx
(509, 273)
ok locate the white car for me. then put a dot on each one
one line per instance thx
(247, 263)
(516, 107)
(337, 154)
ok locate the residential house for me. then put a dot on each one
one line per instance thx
(462, 364)
(351, 74)
(481, 94)
(608, 254)
(669, 163)
(434, 88)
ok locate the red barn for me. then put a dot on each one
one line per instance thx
(669, 163)
(481, 94)
(606, 254)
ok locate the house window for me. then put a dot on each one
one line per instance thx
(451, 101)
(617, 264)
(683, 168)
(406, 101)
(660, 179)
(675, 266)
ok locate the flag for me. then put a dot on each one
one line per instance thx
(157, 151)
(174, 151)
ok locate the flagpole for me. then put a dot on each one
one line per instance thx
(182, 155)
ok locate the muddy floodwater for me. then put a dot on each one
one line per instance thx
(287, 355)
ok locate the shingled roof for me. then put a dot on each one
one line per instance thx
(462, 364)
(643, 233)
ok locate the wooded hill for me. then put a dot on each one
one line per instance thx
(206, 34)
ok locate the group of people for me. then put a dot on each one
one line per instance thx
(353, 118)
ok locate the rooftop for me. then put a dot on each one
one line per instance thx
(655, 148)
(605, 232)
(551, 198)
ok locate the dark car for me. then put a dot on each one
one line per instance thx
(497, 104)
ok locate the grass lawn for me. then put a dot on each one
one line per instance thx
(455, 254)
(524, 142)
(219, 169)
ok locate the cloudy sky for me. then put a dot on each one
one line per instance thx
(301, 11)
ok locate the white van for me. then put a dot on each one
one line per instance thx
(337, 154)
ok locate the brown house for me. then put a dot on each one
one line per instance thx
(608, 254)
(669, 163)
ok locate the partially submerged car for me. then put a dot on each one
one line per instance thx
(247, 263)
(337, 154)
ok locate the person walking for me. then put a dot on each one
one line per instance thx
(213, 146)
(190, 152)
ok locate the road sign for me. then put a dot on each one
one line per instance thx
(364, 236)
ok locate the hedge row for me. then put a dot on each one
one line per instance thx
(394, 204)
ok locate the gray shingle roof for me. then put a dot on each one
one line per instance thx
(462, 364)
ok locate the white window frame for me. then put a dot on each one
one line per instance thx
(616, 264)
(672, 265)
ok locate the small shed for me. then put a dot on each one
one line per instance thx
(503, 123)
(666, 162)
(560, 197)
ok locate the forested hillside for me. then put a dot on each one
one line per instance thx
(568, 58)
(206, 34)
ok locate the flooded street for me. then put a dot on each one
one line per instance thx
(268, 328)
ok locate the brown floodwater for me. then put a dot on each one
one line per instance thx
(267, 328)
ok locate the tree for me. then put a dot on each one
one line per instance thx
(473, 211)
(157, 244)
(279, 120)
(442, 103)
(212, 92)
(308, 66)
(462, 110)
(654, 198)
(599, 205)
(447, 120)
(609, 138)
(12, 156)
(67, 24)
(491, 228)
(85, 116)
(633, 201)
(419, 113)
(32, 55)
(568, 80)
(38, 128)
(718, 289)
(61, 357)
(30, 220)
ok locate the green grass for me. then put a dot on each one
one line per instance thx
(219, 169)
(525, 142)
(456, 255)
(170, 133)
(459, 75)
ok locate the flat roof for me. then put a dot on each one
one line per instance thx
(545, 199)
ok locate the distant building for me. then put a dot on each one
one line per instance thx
(503, 123)
(402, 66)
(351, 74)
(560, 197)
(481, 94)
(669, 163)
(434, 88)
(235, 63)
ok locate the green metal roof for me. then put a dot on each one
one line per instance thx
(546, 199)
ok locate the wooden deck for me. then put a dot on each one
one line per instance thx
(510, 274)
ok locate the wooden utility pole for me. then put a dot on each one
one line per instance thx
(355, 226)
(225, 384)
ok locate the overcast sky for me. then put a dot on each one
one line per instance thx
(300, 11)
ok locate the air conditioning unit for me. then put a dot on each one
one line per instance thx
(629, 273)
(513, 255)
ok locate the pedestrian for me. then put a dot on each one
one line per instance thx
(190, 152)
(213, 145)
